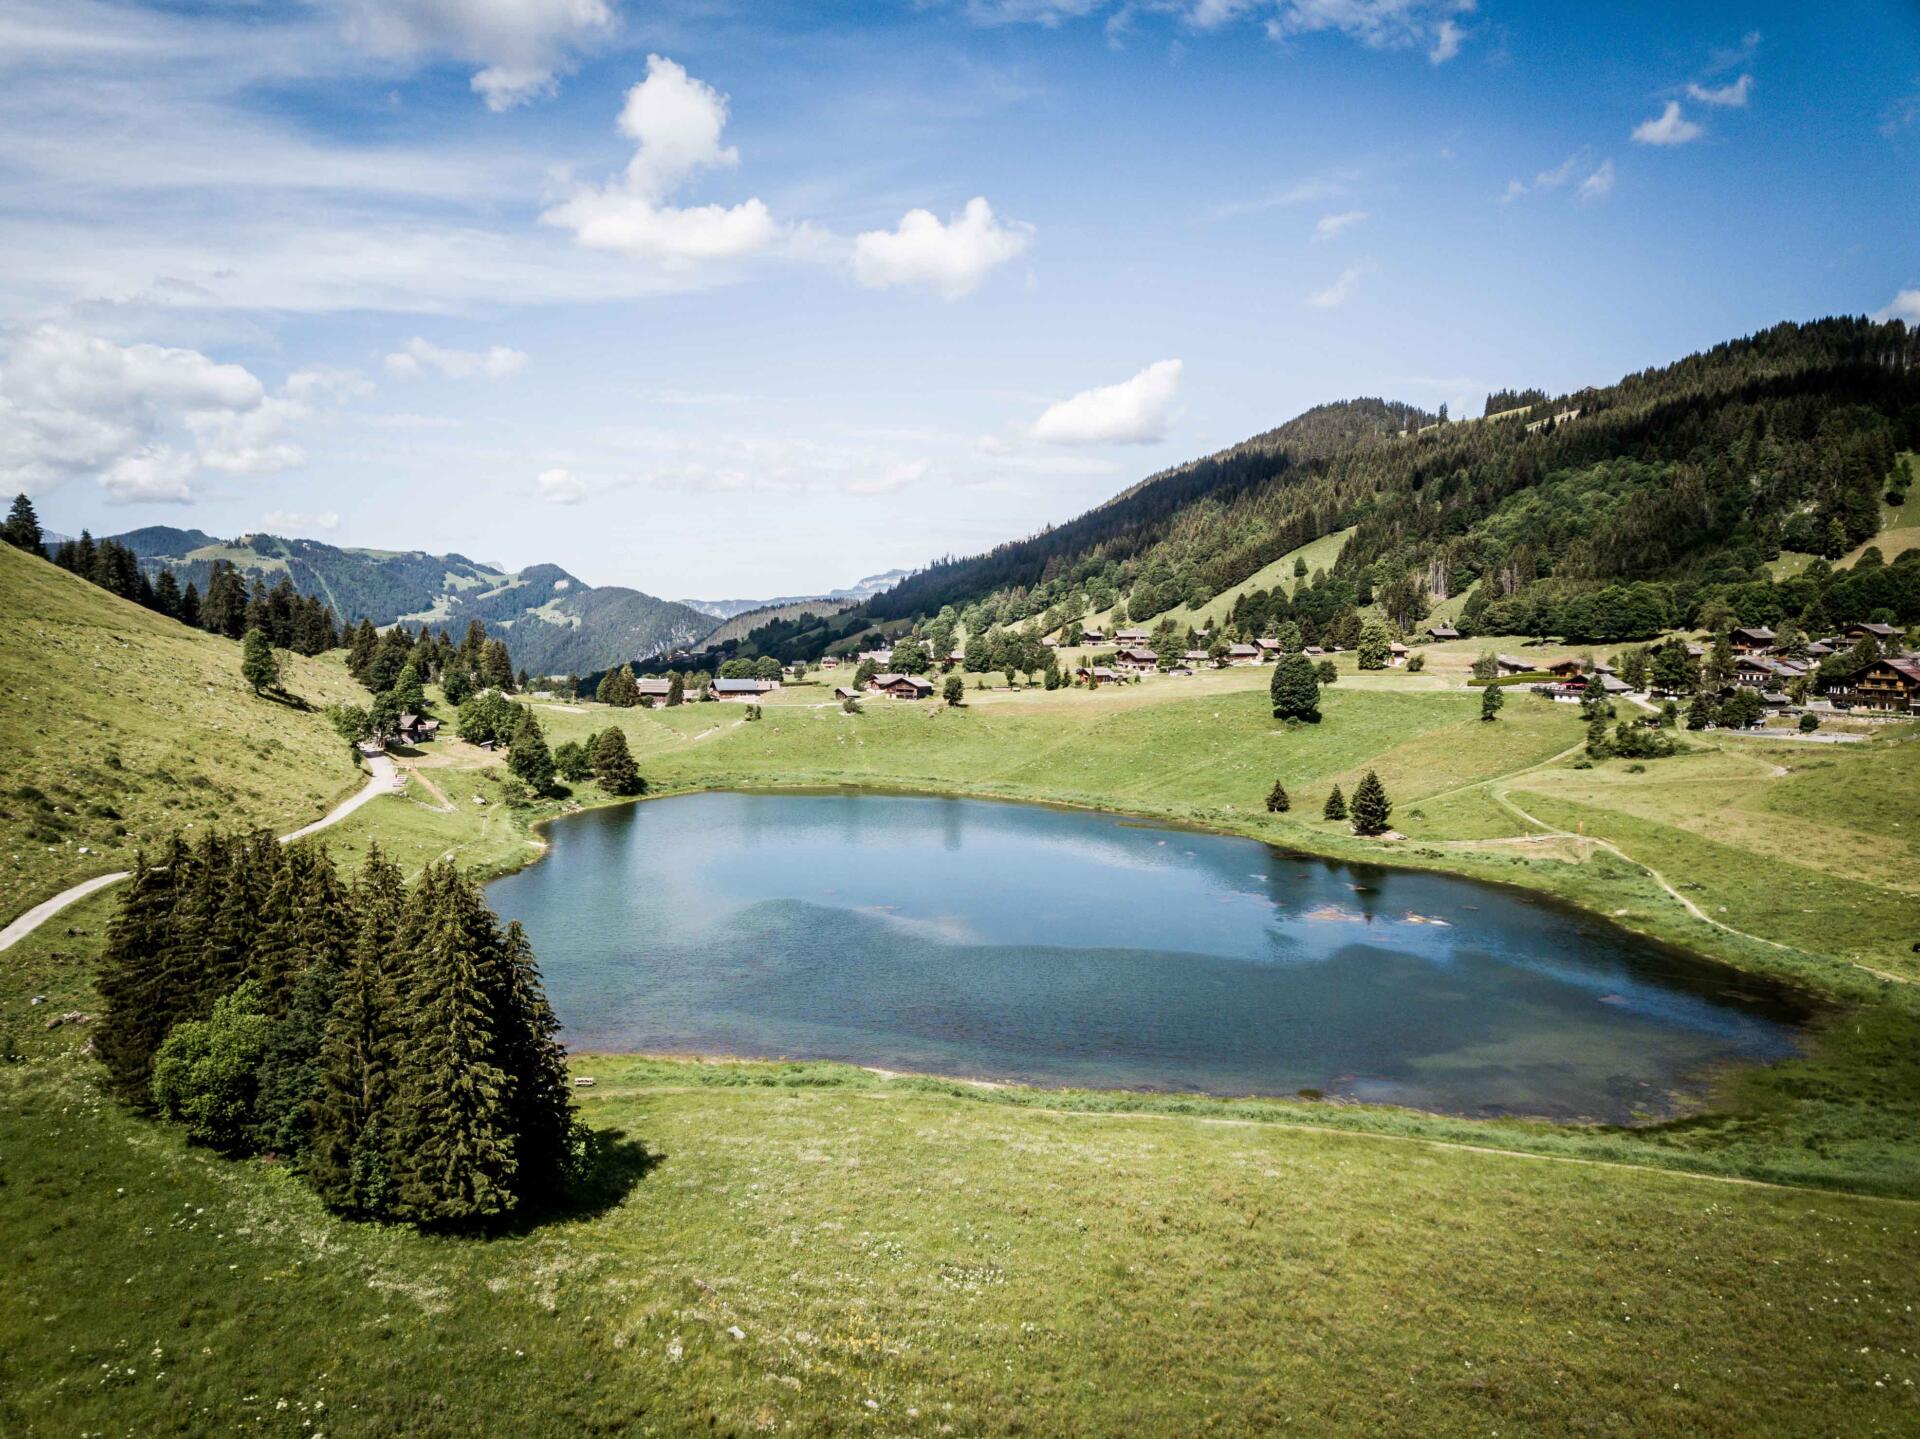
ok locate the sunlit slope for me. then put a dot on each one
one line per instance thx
(118, 725)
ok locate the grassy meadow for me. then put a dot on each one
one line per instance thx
(818, 1249)
(122, 725)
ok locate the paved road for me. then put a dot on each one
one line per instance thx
(385, 779)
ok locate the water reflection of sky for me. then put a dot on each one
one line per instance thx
(1068, 947)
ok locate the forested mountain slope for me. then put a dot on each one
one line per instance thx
(553, 622)
(1690, 475)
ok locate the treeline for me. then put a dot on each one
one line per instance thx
(395, 1045)
(230, 607)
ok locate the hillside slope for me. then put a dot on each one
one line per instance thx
(120, 725)
(1692, 474)
(552, 621)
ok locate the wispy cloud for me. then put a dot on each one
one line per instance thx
(1340, 291)
(414, 359)
(1732, 96)
(1599, 184)
(1327, 226)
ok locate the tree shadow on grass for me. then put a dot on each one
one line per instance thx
(288, 698)
(617, 1164)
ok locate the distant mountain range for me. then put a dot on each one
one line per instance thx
(553, 622)
(859, 590)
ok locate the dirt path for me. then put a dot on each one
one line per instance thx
(385, 779)
(446, 805)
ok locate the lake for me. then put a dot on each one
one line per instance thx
(1060, 947)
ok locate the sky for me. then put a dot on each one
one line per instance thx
(736, 298)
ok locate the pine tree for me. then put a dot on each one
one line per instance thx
(1277, 800)
(22, 529)
(496, 666)
(1491, 698)
(360, 651)
(140, 1004)
(321, 923)
(350, 1163)
(1295, 689)
(1371, 807)
(676, 689)
(1336, 805)
(613, 763)
(528, 756)
(542, 1112)
(257, 663)
(450, 1116)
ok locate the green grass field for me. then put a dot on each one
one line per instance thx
(905, 1256)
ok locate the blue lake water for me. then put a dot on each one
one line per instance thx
(1057, 947)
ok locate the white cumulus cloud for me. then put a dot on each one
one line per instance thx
(676, 122)
(144, 420)
(1904, 306)
(1669, 127)
(1133, 412)
(299, 522)
(1327, 226)
(560, 487)
(522, 46)
(951, 258)
(415, 359)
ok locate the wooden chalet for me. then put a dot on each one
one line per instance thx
(845, 692)
(1243, 654)
(1881, 634)
(1097, 675)
(1196, 658)
(416, 729)
(1135, 638)
(1442, 632)
(901, 687)
(1751, 639)
(653, 692)
(1892, 685)
(1396, 655)
(1141, 660)
(1092, 635)
(1512, 664)
(744, 690)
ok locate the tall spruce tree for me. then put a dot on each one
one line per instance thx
(1278, 801)
(22, 528)
(1491, 698)
(321, 927)
(137, 986)
(257, 663)
(542, 1112)
(351, 1162)
(1371, 807)
(1336, 807)
(451, 1112)
(528, 756)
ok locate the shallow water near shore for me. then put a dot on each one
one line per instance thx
(1059, 947)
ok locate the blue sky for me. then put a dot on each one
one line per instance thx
(739, 299)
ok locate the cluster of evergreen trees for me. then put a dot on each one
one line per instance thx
(376, 658)
(395, 1044)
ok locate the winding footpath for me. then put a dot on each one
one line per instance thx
(385, 779)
